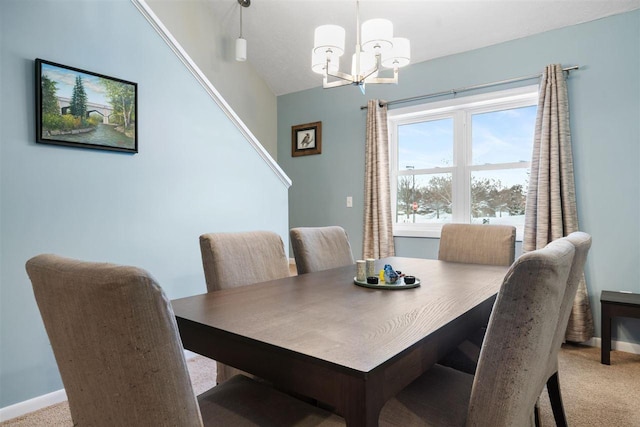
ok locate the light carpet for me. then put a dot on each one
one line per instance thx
(594, 394)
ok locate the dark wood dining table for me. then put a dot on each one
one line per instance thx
(349, 347)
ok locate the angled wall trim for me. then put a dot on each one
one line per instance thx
(151, 17)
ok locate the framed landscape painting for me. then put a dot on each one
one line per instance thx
(84, 109)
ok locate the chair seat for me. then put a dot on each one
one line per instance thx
(440, 397)
(465, 357)
(241, 401)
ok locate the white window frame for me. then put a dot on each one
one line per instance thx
(461, 110)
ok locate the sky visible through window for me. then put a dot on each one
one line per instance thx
(503, 136)
(498, 137)
(426, 145)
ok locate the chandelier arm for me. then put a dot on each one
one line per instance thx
(326, 84)
(367, 73)
(384, 80)
(343, 76)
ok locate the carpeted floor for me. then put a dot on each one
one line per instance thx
(201, 370)
(594, 394)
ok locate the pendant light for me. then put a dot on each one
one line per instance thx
(241, 43)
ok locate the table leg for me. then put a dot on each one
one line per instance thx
(362, 401)
(368, 418)
(605, 356)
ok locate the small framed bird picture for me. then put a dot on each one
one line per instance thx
(306, 139)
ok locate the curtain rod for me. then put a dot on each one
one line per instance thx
(464, 89)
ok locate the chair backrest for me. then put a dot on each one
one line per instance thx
(116, 342)
(244, 258)
(478, 244)
(512, 366)
(320, 248)
(582, 243)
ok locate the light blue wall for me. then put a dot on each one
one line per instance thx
(605, 122)
(194, 172)
(197, 28)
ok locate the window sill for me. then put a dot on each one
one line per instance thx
(417, 230)
(433, 232)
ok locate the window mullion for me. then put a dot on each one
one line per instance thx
(468, 143)
(459, 174)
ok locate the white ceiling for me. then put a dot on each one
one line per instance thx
(279, 33)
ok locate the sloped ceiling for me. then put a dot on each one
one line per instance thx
(279, 33)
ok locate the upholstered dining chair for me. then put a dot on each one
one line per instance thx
(320, 248)
(475, 244)
(237, 259)
(582, 243)
(116, 342)
(478, 244)
(465, 357)
(513, 361)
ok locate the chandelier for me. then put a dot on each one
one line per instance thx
(376, 48)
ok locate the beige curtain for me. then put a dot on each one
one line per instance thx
(551, 200)
(378, 226)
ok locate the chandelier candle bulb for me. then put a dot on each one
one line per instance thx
(329, 39)
(320, 60)
(377, 35)
(399, 56)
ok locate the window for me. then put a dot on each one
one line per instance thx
(463, 160)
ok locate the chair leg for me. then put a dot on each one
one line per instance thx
(555, 397)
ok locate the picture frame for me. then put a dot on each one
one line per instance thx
(80, 108)
(306, 139)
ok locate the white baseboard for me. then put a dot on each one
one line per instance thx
(31, 405)
(49, 399)
(627, 347)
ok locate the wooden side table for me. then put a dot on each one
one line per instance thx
(615, 304)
